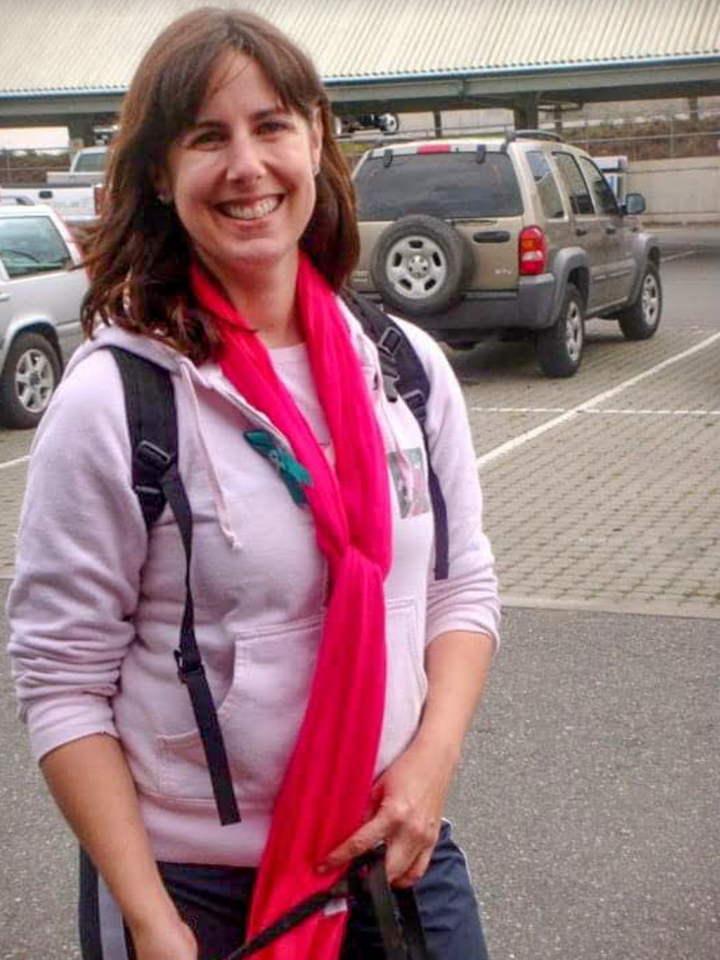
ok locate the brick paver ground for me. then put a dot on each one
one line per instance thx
(609, 510)
(619, 507)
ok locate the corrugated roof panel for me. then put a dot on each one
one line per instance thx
(694, 19)
(88, 44)
(707, 25)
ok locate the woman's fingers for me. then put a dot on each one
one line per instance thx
(409, 848)
(368, 836)
(415, 871)
(410, 840)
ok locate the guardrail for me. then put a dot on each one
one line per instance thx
(651, 137)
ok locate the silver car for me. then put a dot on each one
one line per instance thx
(40, 299)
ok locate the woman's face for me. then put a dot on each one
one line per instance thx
(242, 178)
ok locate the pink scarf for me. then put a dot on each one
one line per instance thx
(325, 792)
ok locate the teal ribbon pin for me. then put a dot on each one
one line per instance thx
(293, 474)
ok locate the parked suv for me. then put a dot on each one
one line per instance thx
(40, 301)
(521, 235)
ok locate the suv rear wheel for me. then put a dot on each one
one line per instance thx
(559, 348)
(420, 265)
(640, 320)
(29, 379)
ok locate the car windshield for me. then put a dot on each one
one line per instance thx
(448, 185)
(31, 245)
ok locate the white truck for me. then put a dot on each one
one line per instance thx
(88, 166)
(74, 194)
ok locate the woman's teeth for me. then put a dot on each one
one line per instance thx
(252, 211)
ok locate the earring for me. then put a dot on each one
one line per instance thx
(164, 199)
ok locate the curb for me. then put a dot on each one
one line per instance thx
(689, 611)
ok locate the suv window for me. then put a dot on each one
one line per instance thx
(580, 199)
(91, 163)
(546, 187)
(448, 185)
(604, 197)
(31, 245)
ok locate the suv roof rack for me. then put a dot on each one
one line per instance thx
(531, 135)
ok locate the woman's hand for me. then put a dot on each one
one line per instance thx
(166, 940)
(407, 802)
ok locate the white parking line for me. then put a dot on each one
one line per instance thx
(518, 409)
(13, 463)
(656, 413)
(628, 411)
(529, 435)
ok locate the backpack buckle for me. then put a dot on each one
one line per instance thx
(390, 379)
(415, 399)
(154, 455)
(389, 341)
(185, 669)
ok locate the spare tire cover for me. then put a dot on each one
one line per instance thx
(420, 265)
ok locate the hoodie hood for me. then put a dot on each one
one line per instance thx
(209, 376)
(142, 346)
(169, 359)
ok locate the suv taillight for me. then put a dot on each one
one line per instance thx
(532, 252)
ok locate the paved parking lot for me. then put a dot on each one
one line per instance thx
(602, 491)
(587, 799)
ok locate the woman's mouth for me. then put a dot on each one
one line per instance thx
(250, 211)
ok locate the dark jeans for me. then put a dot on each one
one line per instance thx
(214, 902)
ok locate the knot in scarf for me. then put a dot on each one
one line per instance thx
(326, 788)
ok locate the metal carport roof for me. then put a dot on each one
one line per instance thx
(74, 56)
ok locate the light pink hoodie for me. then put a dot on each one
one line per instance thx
(96, 605)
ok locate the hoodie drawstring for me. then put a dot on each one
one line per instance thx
(221, 509)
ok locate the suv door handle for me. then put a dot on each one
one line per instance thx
(610, 228)
(4, 297)
(491, 236)
(581, 231)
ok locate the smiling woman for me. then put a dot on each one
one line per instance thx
(330, 654)
(225, 113)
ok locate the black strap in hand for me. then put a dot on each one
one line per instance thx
(402, 939)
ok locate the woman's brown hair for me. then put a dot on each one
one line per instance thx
(138, 252)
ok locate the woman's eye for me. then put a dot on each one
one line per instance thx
(273, 126)
(206, 138)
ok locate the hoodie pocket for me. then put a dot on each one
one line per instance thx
(264, 708)
(260, 717)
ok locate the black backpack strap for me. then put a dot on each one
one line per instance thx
(396, 911)
(402, 936)
(404, 375)
(152, 424)
(413, 932)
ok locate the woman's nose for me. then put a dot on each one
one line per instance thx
(244, 159)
